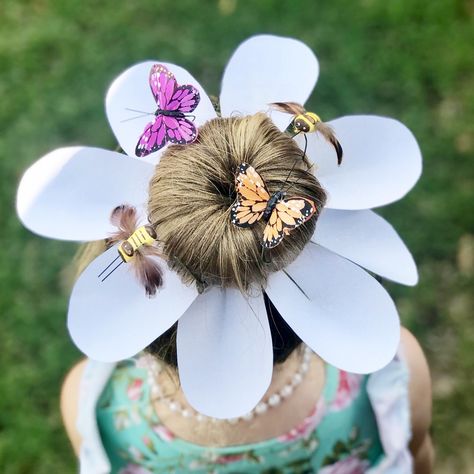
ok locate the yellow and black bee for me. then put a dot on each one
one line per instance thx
(144, 235)
(308, 122)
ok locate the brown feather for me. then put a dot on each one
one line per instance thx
(288, 107)
(148, 270)
(125, 218)
(328, 133)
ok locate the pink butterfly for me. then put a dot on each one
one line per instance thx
(170, 123)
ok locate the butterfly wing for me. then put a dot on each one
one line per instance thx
(168, 95)
(162, 84)
(179, 130)
(287, 215)
(252, 197)
(184, 99)
(153, 137)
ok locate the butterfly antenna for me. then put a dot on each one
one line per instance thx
(132, 118)
(139, 111)
(305, 145)
(111, 271)
(108, 266)
(294, 164)
(137, 116)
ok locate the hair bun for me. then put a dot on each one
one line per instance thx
(193, 190)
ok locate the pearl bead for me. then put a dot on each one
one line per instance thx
(199, 417)
(173, 406)
(261, 408)
(248, 416)
(296, 379)
(186, 413)
(286, 391)
(233, 421)
(274, 400)
(304, 367)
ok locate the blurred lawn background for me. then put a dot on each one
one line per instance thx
(408, 59)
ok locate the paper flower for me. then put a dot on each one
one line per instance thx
(224, 344)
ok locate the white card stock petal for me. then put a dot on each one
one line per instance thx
(368, 240)
(381, 163)
(130, 104)
(267, 69)
(225, 355)
(344, 314)
(113, 319)
(70, 193)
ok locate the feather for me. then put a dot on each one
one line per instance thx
(328, 133)
(125, 219)
(147, 269)
(288, 107)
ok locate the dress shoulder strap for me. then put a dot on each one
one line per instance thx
(389, 396)
(92, 458)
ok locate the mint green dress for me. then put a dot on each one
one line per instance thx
(340, 434)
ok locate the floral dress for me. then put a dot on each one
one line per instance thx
(339, 436)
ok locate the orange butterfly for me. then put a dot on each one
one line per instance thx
(254, 203)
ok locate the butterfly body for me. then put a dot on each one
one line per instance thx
(170, 123)
(169, 113)
(272, 202)
(254, 202)
(308, 122)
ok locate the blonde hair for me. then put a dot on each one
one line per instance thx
(193, 189)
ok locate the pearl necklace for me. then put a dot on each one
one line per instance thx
(153, 368)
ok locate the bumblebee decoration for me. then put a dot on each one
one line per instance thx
(143, 235)
(308, 122)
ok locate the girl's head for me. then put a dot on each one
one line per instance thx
(190, 198)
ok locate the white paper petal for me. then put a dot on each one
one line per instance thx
(267, 69)
(347, 317)
(225, 354)
(368, 240)
(113, 319)
(70, 193)
(381, 162)
(131, 90)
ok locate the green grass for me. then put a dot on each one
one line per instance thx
(409, 59)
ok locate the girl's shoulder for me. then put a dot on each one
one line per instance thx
(419, 389)
(69, 402)
(419, 384)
